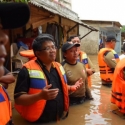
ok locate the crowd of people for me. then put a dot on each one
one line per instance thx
(45, 88)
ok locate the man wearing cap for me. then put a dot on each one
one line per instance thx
(107, 59)
(74, 71)
(83, 58)
(12, 15)
(41, 92)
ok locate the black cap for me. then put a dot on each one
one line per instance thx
(110, 37)
(14, 15)
(69, 45)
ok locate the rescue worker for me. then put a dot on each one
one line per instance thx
(118, 86)
(75, 70)
(12, 15)
(83, 58)
(107, 59)
(41, 92)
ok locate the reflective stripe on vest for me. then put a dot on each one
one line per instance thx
(63, 73)
(84, 60)
(37, 79)
(37, 83)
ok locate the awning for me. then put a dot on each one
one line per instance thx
(60, 10)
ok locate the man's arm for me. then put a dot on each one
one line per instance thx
(7, 78)
(110, 60)
(90, 64)
(91, 68)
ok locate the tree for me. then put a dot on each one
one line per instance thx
(123, 29)
(24, 1)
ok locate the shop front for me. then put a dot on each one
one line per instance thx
(46, 17)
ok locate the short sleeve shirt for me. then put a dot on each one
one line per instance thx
(110, 59)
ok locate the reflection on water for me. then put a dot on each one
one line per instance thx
(95, 117)
(95, 112)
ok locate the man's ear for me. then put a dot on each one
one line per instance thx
(64, 55)
(37, 53)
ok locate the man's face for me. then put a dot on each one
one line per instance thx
(3, 41)
(113, 43)
(71, 54)
(76, 40)
(47, 54)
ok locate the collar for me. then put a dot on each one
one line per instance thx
(70, 63)
(42, 64)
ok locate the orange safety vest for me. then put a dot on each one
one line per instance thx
(37, 82)
(5, 107)
(118, 86)
(28, 53)
(106, 73)
(84, 60)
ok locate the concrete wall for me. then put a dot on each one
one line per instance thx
(90, 43)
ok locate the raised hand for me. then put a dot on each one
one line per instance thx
(77, 85)
(90, 71)
(48, 94)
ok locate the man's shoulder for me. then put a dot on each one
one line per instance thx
(79, 64)
(107, 53)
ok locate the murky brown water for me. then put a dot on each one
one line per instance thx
(95, 112)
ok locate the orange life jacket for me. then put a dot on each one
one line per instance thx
(118, 86)
(28, 53)
(106, 73)
(5, 107)
(37, 82)
(84, 60)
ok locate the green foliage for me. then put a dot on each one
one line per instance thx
(23, 1)
(123, 29)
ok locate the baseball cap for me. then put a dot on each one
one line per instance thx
(69, 45)
(14, 15)
(110, 37)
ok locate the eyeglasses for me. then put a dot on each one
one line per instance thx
(49, 48)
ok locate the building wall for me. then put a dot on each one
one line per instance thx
(90, 43)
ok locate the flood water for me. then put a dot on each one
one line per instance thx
(95, 112)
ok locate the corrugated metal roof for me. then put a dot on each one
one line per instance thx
(60, 10)
(117, 22)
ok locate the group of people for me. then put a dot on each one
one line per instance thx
(45, 88)
(42, 88)
(49, 87)
(112, 72)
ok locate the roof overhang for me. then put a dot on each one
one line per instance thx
(117, 23)
(60, 10)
